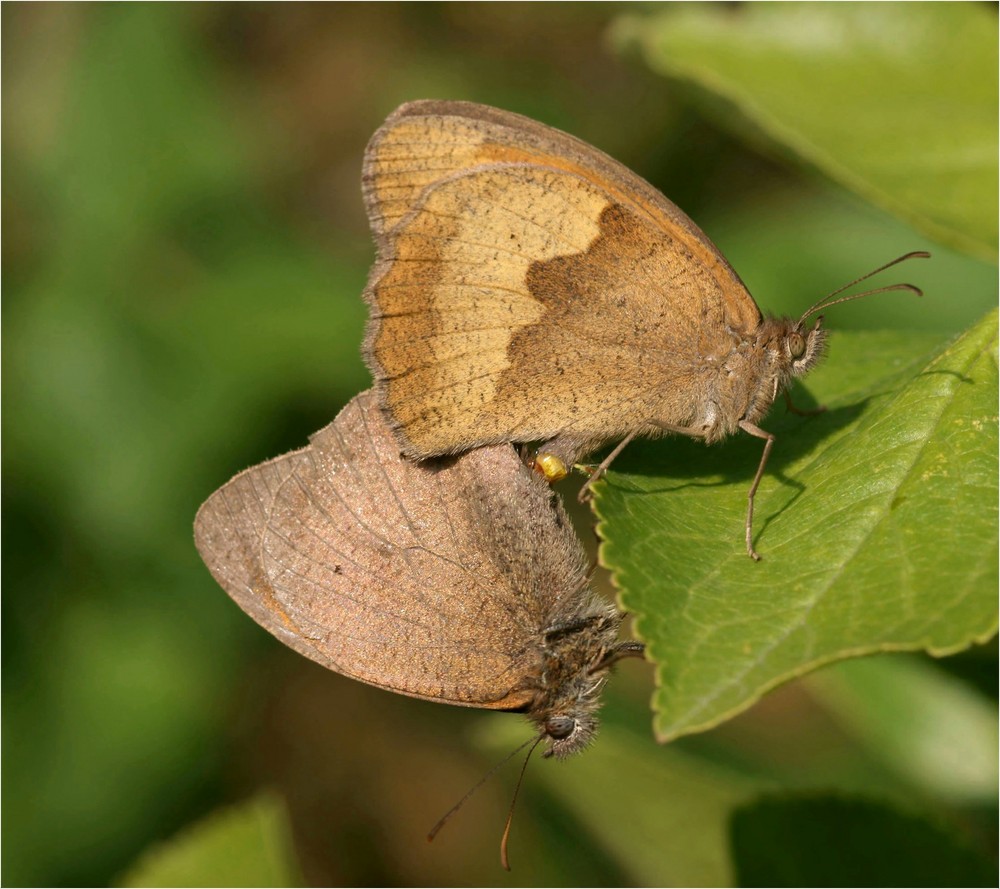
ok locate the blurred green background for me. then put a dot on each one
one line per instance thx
(184, 252)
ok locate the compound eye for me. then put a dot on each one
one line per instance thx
(559, 727)
(796, 345)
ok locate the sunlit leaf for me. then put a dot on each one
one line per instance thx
(877, 521)
(896, 101)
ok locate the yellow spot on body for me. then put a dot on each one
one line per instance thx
(551, 467)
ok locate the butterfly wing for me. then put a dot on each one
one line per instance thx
(427, 141)
(527, 285)
(380, 569)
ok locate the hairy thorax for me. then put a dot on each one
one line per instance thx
(743, 384)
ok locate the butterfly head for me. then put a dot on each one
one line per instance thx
(803, 348)
(800, 347)
(578, 658)
(567, 714)
(788, 348)
(783, 349)
(569, 732)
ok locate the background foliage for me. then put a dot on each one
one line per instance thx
(184, 251)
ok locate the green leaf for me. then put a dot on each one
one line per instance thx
(930, 728)
(897, 102)
(799, 840)
(247, 845)
(877, 522)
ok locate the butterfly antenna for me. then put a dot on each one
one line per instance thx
(504, 859)
(447, 815)
(828, 300)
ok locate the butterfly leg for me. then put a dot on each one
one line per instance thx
(585, 491)
(575, 626)
(631, 648)
(802, 413)
(757, 432)
(640, 430)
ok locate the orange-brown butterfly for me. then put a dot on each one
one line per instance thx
(530, 288)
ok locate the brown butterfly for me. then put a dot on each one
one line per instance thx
(459, 580)
(530, 288)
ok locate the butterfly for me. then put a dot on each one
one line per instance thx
(459, 580)
(529, 288)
